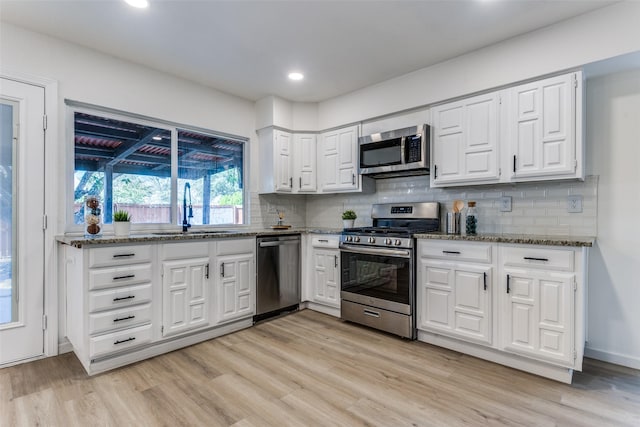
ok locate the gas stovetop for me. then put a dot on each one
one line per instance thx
(394, 225)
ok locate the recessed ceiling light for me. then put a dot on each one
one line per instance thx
(140, 4)
(296, 76)
(157, 138)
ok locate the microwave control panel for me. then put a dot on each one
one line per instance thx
(413, 145)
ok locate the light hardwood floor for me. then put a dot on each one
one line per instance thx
(310, 369)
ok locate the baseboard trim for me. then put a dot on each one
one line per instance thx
(65, 347)
(615, 358)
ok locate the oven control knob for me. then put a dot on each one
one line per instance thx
(388, 241)
(372, 239)
(356, 239)
(349, 238)
(397, 242)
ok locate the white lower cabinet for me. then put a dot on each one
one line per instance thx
(455, 299)
(185, 295)
(235, 280)
(321, 286)
(519, 305)
(129, 302)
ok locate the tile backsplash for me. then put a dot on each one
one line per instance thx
(537, 208)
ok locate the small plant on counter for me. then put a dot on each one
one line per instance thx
(121, 216)
(349, 214)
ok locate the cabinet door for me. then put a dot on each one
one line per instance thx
(235, 284)
(326, 282)
(455, 299)
(185, 304)
(465, 146)
(283, 161)
(339, 160)
(538, 309)
(543, 128)
(305, 162)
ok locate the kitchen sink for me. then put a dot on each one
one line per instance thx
(180, 233)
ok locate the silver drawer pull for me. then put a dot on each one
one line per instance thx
(121, 341)
(124, 318)
(536, 259)
(128, 276)
(323, 240)
(123, 255)
(123, 298)
(451, 252)
(371, 313)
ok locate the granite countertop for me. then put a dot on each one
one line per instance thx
(164, 236)
(526, 239)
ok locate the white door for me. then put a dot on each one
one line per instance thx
(185, 303)
(234, 287)
(543, 127)
(538, 314)
(466, 140)
(284, 161)
(305, 154)
(21, 219)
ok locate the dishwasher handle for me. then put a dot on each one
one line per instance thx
(278, 243)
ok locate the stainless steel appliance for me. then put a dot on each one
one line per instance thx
(378, 286)
(278, 275)
(401, 152)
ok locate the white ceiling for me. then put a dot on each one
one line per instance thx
(247, 48)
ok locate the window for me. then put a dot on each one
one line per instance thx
(131, 163)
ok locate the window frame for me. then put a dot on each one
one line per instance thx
(73, 107)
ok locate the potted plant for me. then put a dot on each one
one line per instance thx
(348, 217)
(121, 222)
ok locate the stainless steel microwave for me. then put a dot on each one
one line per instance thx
(401, 152)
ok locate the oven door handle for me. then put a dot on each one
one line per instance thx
(399, 253)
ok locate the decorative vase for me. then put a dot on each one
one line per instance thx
(122, 228)
(347, 223)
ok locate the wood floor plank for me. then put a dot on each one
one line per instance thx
(309, 369)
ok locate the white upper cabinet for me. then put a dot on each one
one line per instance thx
(283, 162)
(465, 141)
(530, 132)
(304, 163)
(544, 123)
(338, 160)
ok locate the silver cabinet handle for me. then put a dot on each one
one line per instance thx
(353, 178)
(206, 271)
(128, 276)
(121, 341)
(222, 270)
(528, 258)
(335, 261)
(371, 313)
(124, 318)
(291, 182)
(300, 179)
(124, 298)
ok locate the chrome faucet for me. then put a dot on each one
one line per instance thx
(185, 217)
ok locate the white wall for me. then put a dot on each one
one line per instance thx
(604, 33)
(613, 153)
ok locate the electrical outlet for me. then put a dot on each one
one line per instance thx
(574, 204)
(505, 204)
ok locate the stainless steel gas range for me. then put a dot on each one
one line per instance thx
(378, 287)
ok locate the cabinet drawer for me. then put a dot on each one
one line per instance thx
(119, 297)
(325, 241)
(235, 246)
(118, 276)
(550, 259)
(119, 255)
(117, 341)
(185, 250)
(456, 251)
(118, 319)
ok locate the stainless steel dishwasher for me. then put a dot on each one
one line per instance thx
(278, 275)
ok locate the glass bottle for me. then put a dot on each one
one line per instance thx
(92, 217)
(472, 219)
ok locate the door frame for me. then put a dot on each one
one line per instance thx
(53, 155)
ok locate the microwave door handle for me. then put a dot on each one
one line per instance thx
(402, 152)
